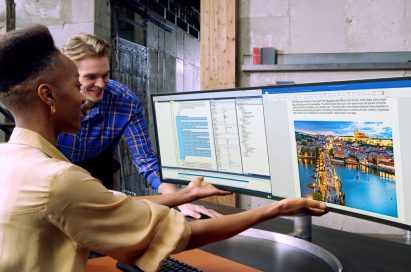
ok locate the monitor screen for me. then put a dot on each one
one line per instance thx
(346, 143)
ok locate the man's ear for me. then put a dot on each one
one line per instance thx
(45, 93)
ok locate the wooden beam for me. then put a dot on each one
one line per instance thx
(218, 44)
(218, 54)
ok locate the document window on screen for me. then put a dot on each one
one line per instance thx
(221, 138)
(346, 143)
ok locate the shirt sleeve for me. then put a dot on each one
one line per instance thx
(139, 143)
(114, 224)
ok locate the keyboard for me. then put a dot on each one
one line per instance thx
(169, 265)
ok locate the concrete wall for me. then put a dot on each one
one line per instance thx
(322, 26)
(66, 17)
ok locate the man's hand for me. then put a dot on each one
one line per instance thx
(195, 190)
(196, 211)
(198, 188)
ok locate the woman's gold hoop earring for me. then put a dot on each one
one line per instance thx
(53, 108)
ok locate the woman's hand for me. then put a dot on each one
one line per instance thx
(301, 206)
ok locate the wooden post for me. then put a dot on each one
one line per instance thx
(218, 44)
(218, 54)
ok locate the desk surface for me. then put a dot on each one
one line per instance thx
(355, 252)
(198, 258)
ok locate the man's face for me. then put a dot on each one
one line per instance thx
(94, 75)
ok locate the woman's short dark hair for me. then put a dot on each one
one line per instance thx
(24, 53)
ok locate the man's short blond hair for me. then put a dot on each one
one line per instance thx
(84, 46)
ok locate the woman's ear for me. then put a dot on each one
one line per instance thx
(45, 93)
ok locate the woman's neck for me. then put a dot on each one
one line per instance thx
(41, 125)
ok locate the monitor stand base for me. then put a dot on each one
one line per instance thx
(300, 238)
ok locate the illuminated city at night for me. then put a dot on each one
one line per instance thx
(348, 163)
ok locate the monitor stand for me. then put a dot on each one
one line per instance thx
(300, 238)
(302, 227)
(408, 237)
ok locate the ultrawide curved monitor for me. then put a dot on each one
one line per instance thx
(347, 143)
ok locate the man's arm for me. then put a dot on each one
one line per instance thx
(139, 143)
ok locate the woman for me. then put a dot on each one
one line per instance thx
(51, 211)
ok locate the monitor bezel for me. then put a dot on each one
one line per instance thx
(263, 194)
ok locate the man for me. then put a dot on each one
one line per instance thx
(111, 111)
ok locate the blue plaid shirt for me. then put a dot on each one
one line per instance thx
(120, 113)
